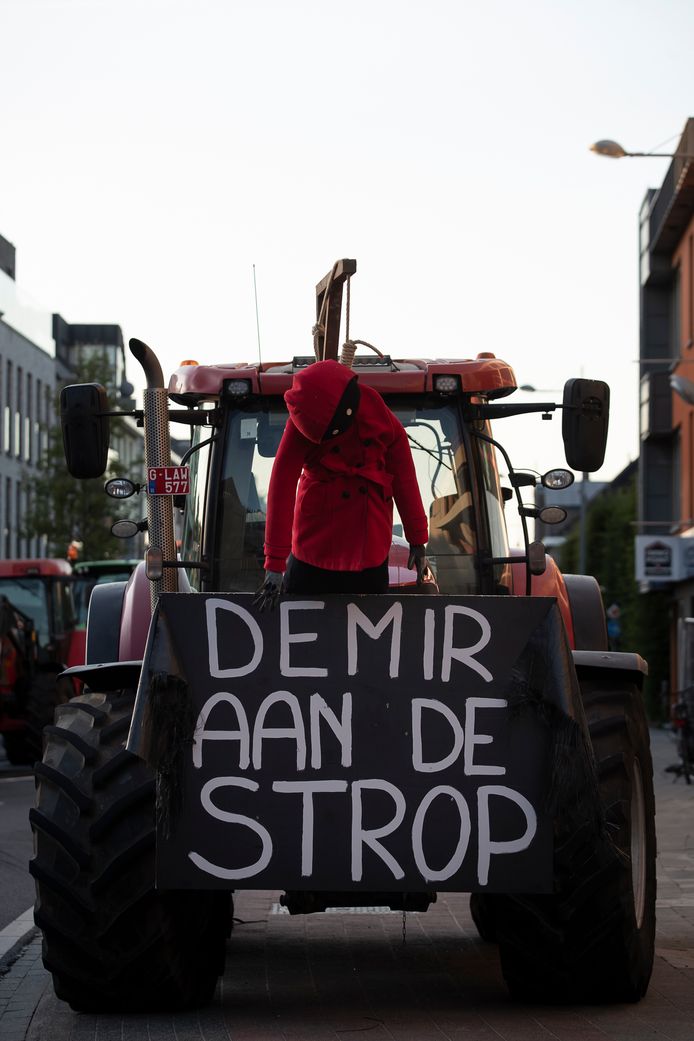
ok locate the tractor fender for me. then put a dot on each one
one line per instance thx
(616, 666)
(135, 616)
(103, 669)
(587, 613)
(549, 583)
(118, 620)
(104, 622)
(137, 613)
(117, 627)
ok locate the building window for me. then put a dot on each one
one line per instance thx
(28, 438)
(37, 422)
(18, 516)
(8, 518)
(7, 422)
(29, 541)
(46, 418)
(18, 413)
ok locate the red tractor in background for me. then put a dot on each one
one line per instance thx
(115, 936)
(38, 640)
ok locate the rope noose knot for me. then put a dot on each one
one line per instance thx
(349, 349)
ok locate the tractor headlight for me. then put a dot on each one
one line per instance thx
(445, 384)
(557, 479)
(120, 488)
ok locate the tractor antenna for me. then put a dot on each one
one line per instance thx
(257, 320)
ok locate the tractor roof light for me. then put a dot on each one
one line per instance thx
(446, 384)
(238, 389)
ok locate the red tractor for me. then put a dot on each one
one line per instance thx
(38, 643)
(373, 749)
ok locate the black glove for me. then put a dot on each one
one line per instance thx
(418, 560)
(269, 593)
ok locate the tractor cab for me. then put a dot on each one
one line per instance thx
(42, 590)
(224, 521)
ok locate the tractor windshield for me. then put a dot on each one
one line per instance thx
(445, 481)
(30, 596)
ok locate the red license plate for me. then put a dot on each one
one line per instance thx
(168, 480)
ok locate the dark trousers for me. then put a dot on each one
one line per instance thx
(305, 578)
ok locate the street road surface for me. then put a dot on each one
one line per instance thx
(16, 884)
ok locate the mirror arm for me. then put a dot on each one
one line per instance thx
(523, 480)
(194, 417)
(524, 524)
(196, 448)
(495, 411)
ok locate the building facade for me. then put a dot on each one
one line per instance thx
(27, 392)
(39, 351)
(665, 541)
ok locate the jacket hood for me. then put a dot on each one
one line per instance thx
(315, 396)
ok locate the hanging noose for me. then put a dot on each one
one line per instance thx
(349, 347)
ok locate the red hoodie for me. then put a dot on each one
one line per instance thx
(341, 515)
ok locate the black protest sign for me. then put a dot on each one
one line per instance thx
(350, 743)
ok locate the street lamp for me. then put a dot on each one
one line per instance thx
(613, 150)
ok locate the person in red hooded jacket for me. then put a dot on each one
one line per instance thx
(342, 461)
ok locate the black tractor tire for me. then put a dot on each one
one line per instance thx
(17, 749)
(483, 911)
(44, 695)
(592, 940)
(112, 941)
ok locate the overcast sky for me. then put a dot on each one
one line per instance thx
(154, 150)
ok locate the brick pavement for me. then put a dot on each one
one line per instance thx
(20, 991)
(336, 977)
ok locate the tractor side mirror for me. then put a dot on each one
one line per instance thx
(85, 427)
(585, 420)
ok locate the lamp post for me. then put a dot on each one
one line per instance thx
(613, 150)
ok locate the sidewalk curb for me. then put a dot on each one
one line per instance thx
(15, 936)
